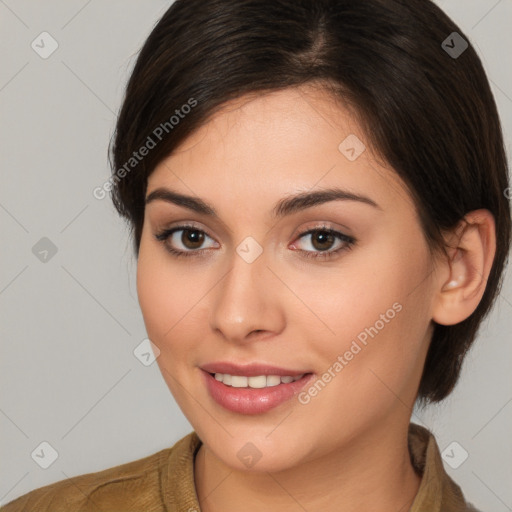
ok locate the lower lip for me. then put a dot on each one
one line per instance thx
(253, 400)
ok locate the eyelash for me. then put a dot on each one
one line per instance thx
(324, 255)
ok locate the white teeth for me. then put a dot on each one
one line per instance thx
(260, 381)
(257, 382)
(238, 381)
(273, 380)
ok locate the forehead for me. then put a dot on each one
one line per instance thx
(268, 145)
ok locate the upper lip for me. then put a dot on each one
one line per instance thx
(249, 370)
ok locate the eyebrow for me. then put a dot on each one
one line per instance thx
(284, 207)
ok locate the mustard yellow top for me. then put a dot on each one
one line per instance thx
(164, 482)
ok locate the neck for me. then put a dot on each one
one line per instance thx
(373, 472)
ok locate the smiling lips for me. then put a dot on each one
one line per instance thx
(253, 388)
(255, 375)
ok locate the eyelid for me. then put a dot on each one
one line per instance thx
(183, 225)
(323, 225)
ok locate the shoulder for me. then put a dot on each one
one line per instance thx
(436, 486)
(135, 485)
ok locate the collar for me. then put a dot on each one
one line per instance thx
(437, 491)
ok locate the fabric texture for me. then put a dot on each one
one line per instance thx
(164, 482)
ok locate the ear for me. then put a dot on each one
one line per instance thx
(462, 278)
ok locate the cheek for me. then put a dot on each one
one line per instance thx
(376, 317)
(164, 310)
(158, 295)
(170, 300)
(152, 298)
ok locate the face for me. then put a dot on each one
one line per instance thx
(338, 289)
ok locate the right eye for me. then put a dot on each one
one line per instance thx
(189, 237)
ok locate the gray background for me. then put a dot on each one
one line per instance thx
(70, 325)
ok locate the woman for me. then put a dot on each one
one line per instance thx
(316, 192)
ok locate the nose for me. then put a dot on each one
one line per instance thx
(247, 303)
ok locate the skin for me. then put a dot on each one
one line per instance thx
(347, 448)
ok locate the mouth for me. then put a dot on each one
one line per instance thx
(255, 394)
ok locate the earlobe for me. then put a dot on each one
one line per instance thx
(468, 267)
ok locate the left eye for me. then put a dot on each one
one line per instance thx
(322, 240)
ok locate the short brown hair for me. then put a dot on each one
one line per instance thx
(429, 113)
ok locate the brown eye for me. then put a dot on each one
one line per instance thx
(322, 240)
(192, 238)
(184, 240)
(322, 243)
